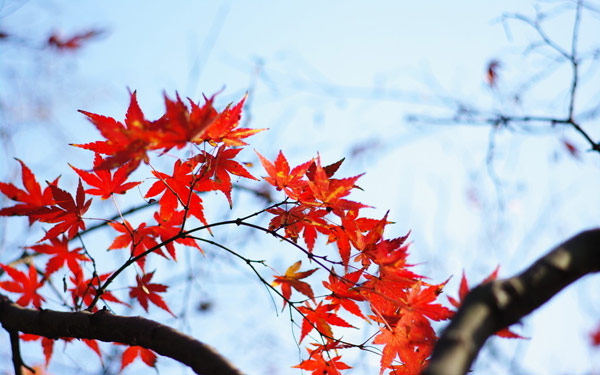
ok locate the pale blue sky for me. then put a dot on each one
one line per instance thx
(328, 77)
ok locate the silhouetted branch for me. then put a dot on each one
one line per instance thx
(572, 116)
(107, 327)
(498, 304)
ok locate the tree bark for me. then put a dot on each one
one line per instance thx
(500, 303)
(108, 327)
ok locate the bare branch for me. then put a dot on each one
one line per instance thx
(498, 304)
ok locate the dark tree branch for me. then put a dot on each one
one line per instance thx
(107, 327)
(498, 304)
(16, 353)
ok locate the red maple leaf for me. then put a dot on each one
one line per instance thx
(84, 290)
(27, 285)
(329, 192)
(106, 183)
(419, 303)
(492, 72)
(410, 341)
(125, 143)
(317, 364)
(415, 366)
(145, 291)
(31, 199)
(66, 212)
(224, 129)
(463, 290)
(320, 318)
(139, 240)
(61, 255)
(338, 235)
(131, 353)
(345, 292)
(595, 337)
(571, 148)
(218, 167)
(47, 344)
(282, 178)
(170, 228)
(72, 43)
(291, 279)
(181, 125)
(298, 220)
(178, 190)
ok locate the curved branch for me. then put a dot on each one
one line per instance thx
(108, 327)
(498, 304)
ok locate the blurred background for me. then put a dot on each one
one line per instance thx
(419, 95)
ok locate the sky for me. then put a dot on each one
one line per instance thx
(338, 78)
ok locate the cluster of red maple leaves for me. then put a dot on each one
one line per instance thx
(367, 275)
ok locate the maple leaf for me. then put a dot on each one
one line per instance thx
(329, 169)
(390, 255)
(419, 303)
(224, 127)
(595, 337)
(106, 183)
(386, 295)
(66, 212)
(131, 353)
(410, 341)
(72, 43)
(25, 284)
(318, 365)
(320, 318)
(125, 143)
(338, 235)
(129, 142)
(61, 255)
(93, 344)
(47, 344)
(297, 220)
(181, 125)
(144, 291)
(282, 178)
(492, 72)
(219, 167)
(31, 199)
(328, 192)
(85, 290)
(168, 229)
(178, 189)
(464, 289)
(415, 366)
(291, 279)
(571, 148)
(345, 292)
(139, 240)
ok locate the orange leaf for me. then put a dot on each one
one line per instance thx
(291, 279)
